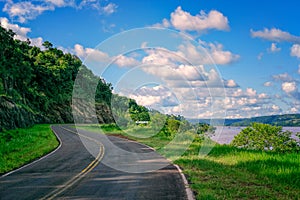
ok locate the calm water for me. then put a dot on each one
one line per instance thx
(225, 134)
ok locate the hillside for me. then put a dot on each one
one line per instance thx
(279, 120)
(36, 85)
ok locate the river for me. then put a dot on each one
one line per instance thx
(225, 134)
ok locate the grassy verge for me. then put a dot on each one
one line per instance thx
(20, 146)
(157, 141)
(231, 173)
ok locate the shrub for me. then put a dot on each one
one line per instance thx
(265, 137)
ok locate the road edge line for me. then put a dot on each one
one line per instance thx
(39, 159)
(188, 190)
(83, 173)
(189, 193)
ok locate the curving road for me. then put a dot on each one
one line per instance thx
(73, 172)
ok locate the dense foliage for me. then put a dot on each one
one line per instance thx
(41, 80)
(266, 137)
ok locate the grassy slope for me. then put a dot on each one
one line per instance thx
(20, 146)
(231, 173)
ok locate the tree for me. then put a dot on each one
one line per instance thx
(47, 45)
(265, 137)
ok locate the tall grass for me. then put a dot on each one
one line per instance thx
(232, 173)
(20, 146)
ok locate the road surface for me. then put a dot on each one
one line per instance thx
(72, 172)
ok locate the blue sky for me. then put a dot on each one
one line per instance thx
(255, 46)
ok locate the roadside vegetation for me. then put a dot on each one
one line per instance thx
(36, 87)
(36, 84)
(20, 146)
(266, 137)
(229, 172)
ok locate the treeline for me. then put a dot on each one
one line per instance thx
(278, 120)
(37, 84)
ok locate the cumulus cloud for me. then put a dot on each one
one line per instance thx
(282, 77)
(109, 9)
(60, 3)
(275, 35)
(275, 107)
(123, 61)
(184, 21)
(208, 53)
(295, 50)
(161, 56)
(27, 10)
(250, 92)
(289, 87)
(155, 97)
(231, 83)
(263, 96)
(274, 48)
(268, 84)
(248, 103)
(100, 56)
(93, 54)
(294, 110)
(21, 32)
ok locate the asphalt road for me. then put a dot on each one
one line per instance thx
(93, 166)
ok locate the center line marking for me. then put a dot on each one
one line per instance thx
(83, 173)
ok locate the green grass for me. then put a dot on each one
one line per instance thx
(231, 173)
(157, 141)
(20, 146)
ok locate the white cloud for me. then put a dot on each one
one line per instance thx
(93, 54)
(298, 69)
(295, 50)
(268, 84)
(282, 77)
(294, 110)
(274, 48)
(222, 57)
(231, 83)
(124, 61)
(100, 56)
(59, 3)
(289, 87)
(250, 92)
(213, 54)
(109, 9)
(184, 21)
(263, 96)
(96, 5)
(38, 42)
(275, 35)
(161, 56)
(26, 10)
(155, 97)
(275, 107)
(21, 32)
(260, 55)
